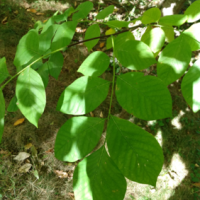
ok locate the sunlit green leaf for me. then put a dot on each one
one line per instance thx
(78, 137)
(146, 97)
(133, 54)
(109, 43)
(12, 107)
(97, 178)
(169, 33)
(64, 16)
(117, 24)
(190, 87)
(105, 12)
(151, 15)
(83, 10)
(2, 113)
(135, 151)
(155, 39)
(83, 95)
(92, 32)
(49, 23)
(3, 70)
(173, 20)
(31, 95)
(95, 64)
(63, 35)
(174, 60)
(193, 12)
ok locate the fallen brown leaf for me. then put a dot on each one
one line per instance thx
(4, 21)
(22, 156)
(80, 30)
(102, 44)
(61, 174)
(19, 121)
(196, 184)
(39, 14)
(49, 151)
(31, 10)
(4, 152)
(25, 168)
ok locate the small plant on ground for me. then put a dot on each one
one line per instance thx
(128, 150)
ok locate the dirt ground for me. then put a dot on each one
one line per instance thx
(49, 178)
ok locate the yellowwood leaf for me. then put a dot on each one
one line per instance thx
(19, 121)
(110, 31)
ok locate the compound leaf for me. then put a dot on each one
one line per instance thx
(95, 64)
(97, 177)
(77, 137)
(173, 20)
(3, 70)
(151, 15)
(83, 95)
(135, 151)
(2, 113)
(117, 24)
(193, 12)
(105, 12)
(146, 97)
(31, 95)
(169, 33)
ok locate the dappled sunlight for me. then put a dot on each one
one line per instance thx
(176, 121)
(196, 95)
(159, 137)
(169, 10)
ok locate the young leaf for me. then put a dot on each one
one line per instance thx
(133, 54)
(12, 107)
(174, 60)
(31, 95)
(155, 39)
(95, 64)
(135, 151)
(192, 36)
(78, 137)
(151, 15)
(43, 71)
(146, 97)
(105, 12)
(83, 95)
(169, 33)
(63, 35)
(190, 87)
(2, 113)
(193, 12)
(110, 31)
(3, 70)
(97, 177)
(83, 10)
(117, 24)
(173, 20)
(27, 48)
(92, 31)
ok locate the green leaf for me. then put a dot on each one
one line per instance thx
(169, 33)
(146, 97)
(190, 86)
(49, 23)
(64, 16)
(109, 43)
(105, 12)
(174, 60)
(135, 151)
(63, 35)
(155, 39)
(193, 12)
(83, 95)
(117, 24)
(151, 15)
(83, 10)
(43, 71)
(68, 12)
(173, 20)
(31, 95)
(95, 64)
(3, 70)
(78, 137)
(92, 32)
(2, 113)
(55, 64)
(12, 107)
(192, 36)
(133, 54)
(97, 178)
(27, 48)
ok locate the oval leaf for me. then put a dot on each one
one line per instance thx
(31, 95)
(174, 60)
(3, 70)
(151, 15)
(173, 20)
(2, 113)
(77, 137)
(133, 54)
(146, 97)
(97, 177)
(105, 12)
(155, 39)
(193, 12)
(135, 151)
(117, 24)
(83, 95)
(92, 32)
(95, 64)
(110, 31)
(190, 87)
(169, 33)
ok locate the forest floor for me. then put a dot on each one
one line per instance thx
(49, 178)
